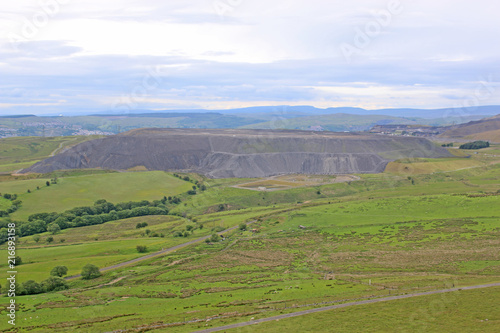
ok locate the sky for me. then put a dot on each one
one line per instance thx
(69, 56)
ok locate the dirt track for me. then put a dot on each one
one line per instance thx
(333, 307)
(170, 249)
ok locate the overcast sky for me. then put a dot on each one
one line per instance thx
(62, 56)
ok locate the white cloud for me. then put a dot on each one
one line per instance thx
(259, 52)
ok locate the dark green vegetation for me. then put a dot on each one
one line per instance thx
(475, 145)
(385, 234)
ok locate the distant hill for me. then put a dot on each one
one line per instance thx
(227, 153)
(266, 117)
(485, 129)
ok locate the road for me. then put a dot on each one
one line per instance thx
(170, 249)
(338, 306)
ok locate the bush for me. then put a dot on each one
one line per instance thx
(141, 248)
(243, 226)
(59, 271)
(90, 271)
(18, 260)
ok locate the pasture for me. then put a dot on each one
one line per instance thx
(75, 191)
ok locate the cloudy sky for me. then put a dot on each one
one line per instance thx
(63, 56)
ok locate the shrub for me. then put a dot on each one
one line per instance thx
(18, 260)
(141, 248)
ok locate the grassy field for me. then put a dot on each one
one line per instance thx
(350, 249)
(103, 245)
(84, 190)
(463, 311)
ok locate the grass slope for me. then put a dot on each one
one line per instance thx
(463, 311)
(72, 192)
(21, 152)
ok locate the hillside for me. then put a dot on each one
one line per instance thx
(485, 129)
(240, 153)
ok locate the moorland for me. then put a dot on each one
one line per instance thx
(258, 247)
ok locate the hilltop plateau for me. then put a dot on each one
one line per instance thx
(240, 153)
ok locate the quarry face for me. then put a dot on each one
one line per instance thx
(226, 153)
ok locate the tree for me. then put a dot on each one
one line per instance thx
(31, 287)
(90, 271)
(50, 239)
(53, 228)
(18, 260)
(142, 248)
(36, 238)
(59, 271)
(243, 226)
(47, 183)
(54, 283)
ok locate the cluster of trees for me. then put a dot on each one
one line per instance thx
(475, 145)
(171, 200)
(14, 206)
(55, 282)
(194, 181)
(101, 212)
(189, 230)
(447, 144)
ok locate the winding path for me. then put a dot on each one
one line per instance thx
(338, 306)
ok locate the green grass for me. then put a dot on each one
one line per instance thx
(386, 211)
(463, 311)
(378, 236)
(21, 152)
(4, 203)
(104, 245)
(72, 192)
